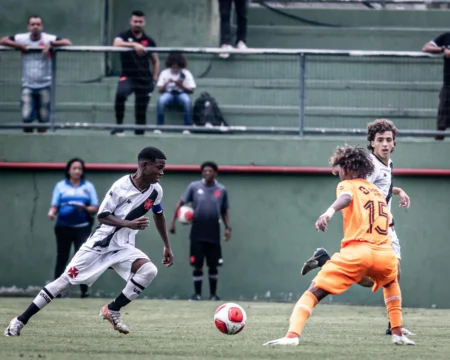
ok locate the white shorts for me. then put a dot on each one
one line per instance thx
(87, 266)
(395, 242)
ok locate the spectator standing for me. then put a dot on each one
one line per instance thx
(136, 75)
(209, 199)
(36, 70)
(74, 201)
(175, 84)
(225, 24)
(441, 45)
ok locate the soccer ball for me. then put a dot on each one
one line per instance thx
(230, 318)
(185, 214)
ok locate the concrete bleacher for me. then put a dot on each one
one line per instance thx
(263, 90)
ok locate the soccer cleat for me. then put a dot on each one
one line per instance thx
(319, 258)
(195, 298)
(284, 341)
(402, 340)
(214, 298)
(114, 318)
(14, 327)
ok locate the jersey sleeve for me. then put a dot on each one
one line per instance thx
(157, 207)
(442, 40)
(188, 195)
(344, 188)
(56, 196)
(93, 198)
(110, 202)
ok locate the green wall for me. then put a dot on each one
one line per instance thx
(272, 216)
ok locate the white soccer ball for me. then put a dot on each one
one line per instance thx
(230, 318)
(185, 214)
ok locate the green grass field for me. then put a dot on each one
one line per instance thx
(72, 329)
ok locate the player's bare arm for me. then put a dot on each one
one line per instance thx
(226, 221)
(6, 41)
(341, 202)
(136, 224)
(404, 198)
(160, 223)
(179, 204)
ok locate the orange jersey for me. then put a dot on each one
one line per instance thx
(366, 219)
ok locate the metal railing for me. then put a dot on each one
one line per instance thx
(327, 74)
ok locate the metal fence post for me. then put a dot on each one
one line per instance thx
(53, 93)
(302, 80)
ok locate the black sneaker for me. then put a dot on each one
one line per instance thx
(214, 298)
(195, 297)
(319, 258)
(388, 331)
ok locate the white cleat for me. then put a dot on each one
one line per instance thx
(14, 328)
(114, 318)
(402, 340)
(284, 341)
(406, 332)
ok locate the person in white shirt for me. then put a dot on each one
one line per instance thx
(112, 244)
(175, 83)
(36, 69)
(381, 135)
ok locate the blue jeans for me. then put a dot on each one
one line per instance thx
(182, 99)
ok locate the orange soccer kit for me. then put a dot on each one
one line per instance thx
(365, 251)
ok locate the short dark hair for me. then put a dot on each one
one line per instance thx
(353, 159)
(210, 164)
(176, 58)
(35, 17)
(380, 126)
(137, 13)
(69, 164)
(151, 154)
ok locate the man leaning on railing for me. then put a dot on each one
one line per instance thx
(36, 69)
(441, 45)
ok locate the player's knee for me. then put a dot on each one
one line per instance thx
(59, 285)
(213, 270)
(197, 273)
(145, 274)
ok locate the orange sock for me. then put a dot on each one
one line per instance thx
(393, 301)
(301, 313)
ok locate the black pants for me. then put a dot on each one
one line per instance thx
(443, 118)
(65, 237)
(225, 19)
(142, 92)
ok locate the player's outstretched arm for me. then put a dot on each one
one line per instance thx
(405, 201)
(160, 223)
(341, 202)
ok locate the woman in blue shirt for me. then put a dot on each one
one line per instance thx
(74, 201)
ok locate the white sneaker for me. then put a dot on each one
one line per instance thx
(241, 45)
(186, 132)
(157, 131)
(225, 55)
(406, 332)
(284, 341)
(114, 318)
(14, 328)
(402, 340)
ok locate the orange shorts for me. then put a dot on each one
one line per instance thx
(353, 263)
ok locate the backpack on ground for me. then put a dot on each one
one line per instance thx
(206, 111)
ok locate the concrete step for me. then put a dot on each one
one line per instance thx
(350, 17)
(307, 37)
(316, 116)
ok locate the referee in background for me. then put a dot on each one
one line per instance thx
(209, 200)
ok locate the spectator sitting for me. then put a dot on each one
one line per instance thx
(36, 70)
(175, 83)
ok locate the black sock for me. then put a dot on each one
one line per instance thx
(119, 302)
(197, 277)
(32, 309)
(213, 281)
(389, 325)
